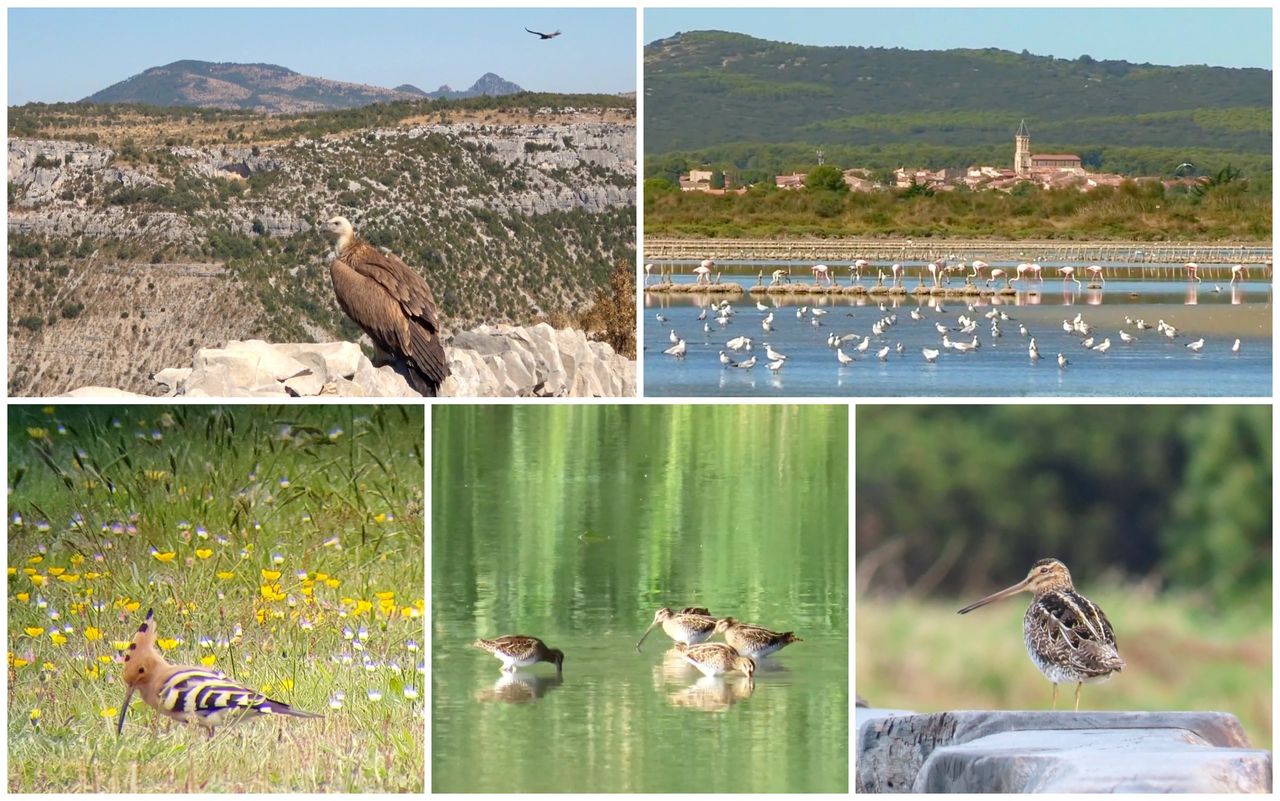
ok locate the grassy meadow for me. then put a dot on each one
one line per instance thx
(922, 656)
(283, 547)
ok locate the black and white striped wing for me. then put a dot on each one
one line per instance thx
(208, 696)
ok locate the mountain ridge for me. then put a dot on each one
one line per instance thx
(268, 88)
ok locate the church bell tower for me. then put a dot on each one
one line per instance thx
(1022, 151)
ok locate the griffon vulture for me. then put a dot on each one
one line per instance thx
(391, 303)
(542, 35)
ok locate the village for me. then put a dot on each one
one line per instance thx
(1044, 170)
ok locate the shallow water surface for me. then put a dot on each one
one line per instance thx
(1153, 365)
(575, 524)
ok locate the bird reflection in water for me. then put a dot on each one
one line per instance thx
(712, 694)
(519, 688)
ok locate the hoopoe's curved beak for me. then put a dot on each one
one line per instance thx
(124, 709)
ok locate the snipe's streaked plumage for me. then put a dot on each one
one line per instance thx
(517, 651)
(1067, 635)
(753, 641)
(691, 625)
(188, 693)
(715, 659)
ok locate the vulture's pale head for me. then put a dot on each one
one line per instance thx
(340, 229)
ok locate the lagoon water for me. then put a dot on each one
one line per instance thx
(575, 524)
(1151, 366)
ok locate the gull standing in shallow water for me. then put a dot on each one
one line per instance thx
(1067, 636)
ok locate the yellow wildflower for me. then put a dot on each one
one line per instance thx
(166, 556)
(57, 571)
(35, 715)
(271, 592)
(90, 576)
(34, 631)
(321, 576)
(363, 606)
(18, 663)
(155, 475)
(270, 575)
(106, 660)
(204, 553)
(58, 638)
(13, 571)
(208, 660)
(70, 578)
(380, 517)
(38, 433)
(286, 684)
(77, 558)
(23, 596)
(167, 643)
(92, 671)
(332, 583)
(91, 633)
(48, 666)
(109, 712)
(384, 596)
(35, 560)
(39, 580)
(226, 575)
(120, 645)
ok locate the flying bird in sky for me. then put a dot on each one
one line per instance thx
(542, 35)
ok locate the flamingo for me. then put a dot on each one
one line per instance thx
(1239, 272)
(933, 270)
(997, 274)
(978, 267)
(1095, 274)
(781, 276)
(648, 268)
(1191, 267)
(703, 271)
(855, 270)
(1068, 273)
(896, 269)
(820, 273)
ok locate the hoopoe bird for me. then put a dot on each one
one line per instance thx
(187, 693)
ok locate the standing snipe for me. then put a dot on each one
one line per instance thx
(1067, 635)
(691, 625)
(753, 641)
(518, 650)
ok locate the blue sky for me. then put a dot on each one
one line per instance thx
(67, 54)
(1218, 37)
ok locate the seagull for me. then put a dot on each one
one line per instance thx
(748, 364)
(761, 307)
(542, 35)
(1088, 343)
(1033, 351)
(1195, 347)
(843, 357)
(703, 316)
(898, 348)
(773, 354)
(764, 324)
(660, 318)
(1022, 329)
(677, 350)
(776, 365)
(1062, 362)
(706, 328)
(739, 343)
(930, 355)
(916, 315)
(674, 337)
(862, 346)
(1103, 346)
(1126, 337)
(883, 354)
(818, 312)
(1235, 348)
(726, 361)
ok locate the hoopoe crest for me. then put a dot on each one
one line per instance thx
(188, 693)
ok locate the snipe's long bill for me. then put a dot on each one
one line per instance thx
(691, 625)
(1067, 636)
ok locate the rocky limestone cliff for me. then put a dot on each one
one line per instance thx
(490, 361)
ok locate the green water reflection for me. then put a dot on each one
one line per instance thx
(574, 524)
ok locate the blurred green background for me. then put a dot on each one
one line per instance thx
(1162, 514)
(575, 523)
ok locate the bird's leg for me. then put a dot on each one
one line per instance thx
(1079, 685)
(1055, 695)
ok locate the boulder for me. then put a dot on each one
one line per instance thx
(1063, 752)
(487, 362)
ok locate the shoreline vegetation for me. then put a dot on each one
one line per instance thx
(1235, 210)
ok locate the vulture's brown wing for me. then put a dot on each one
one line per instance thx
(395, 307)
(402, 283)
